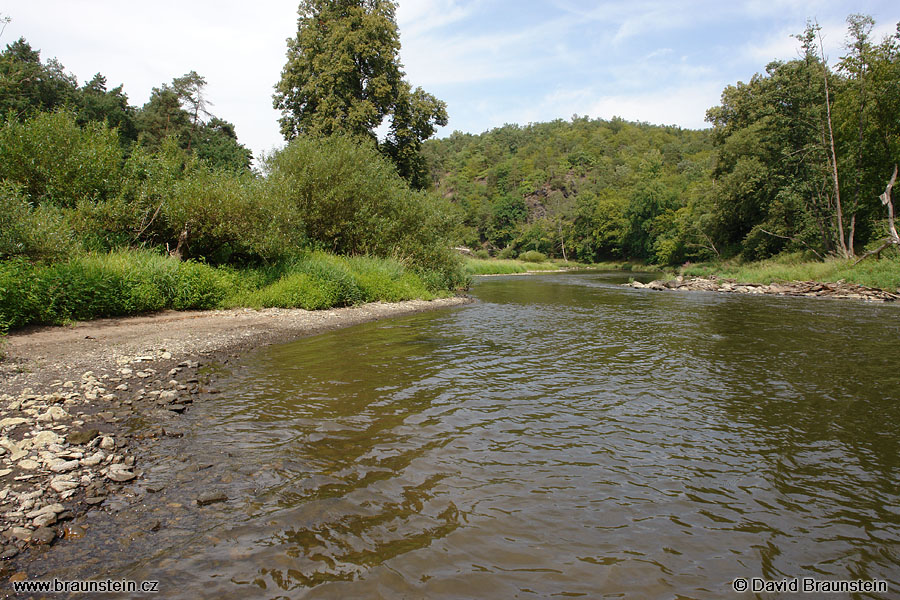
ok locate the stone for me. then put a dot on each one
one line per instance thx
(94, 459)
(9, 553)
(43, 535)
(45, 438)
(5, 472)
(211, 498)
(94, 500)
(120, 473)
(107, 443)
(82, 436)
(45, 520)
(62, 483)
(20, 533)
(178, 408)
(28, 464)
(63, 466)
(12, 421)
(72, 531)
(168, 396)
(166, 355)
(122, 387)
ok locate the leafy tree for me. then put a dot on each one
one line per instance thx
(343, 75)
(96, 103)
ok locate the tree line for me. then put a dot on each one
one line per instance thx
(795, 161)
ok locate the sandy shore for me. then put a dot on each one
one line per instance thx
(69, 397)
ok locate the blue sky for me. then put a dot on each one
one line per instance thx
(492, 61)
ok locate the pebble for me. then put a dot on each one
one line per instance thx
(28, 464)
(63, 466)
(211, 498)
(120, 473)
(107, 443)
(82, 436)
(12, 421)
(94, 500)
(45, 438)
(9, 553)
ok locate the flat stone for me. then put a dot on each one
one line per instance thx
(54, 413)
(120, 473)
(178, 408)
(45, 520)
(43, 535)
(28, 464)
(45, 438)
(62, 483)
(211, 498)
(94, 500)
(94, 459)
(5, 472)
(12, 421)
(9, 553)
(168, 396)
(63, 466)
(20, 533)
(82, 436)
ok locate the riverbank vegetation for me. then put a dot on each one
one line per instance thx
(795, 162)
(109, 209)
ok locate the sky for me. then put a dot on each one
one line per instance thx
(492, 61)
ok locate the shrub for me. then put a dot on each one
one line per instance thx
(57, 162)
(33, 232)
(533, 256)
(507, 253)
(482, 254)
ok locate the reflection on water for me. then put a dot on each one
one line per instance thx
(565, 436)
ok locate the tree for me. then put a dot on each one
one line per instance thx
(28, 86)
(343, 75)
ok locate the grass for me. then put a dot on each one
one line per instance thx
(883, 274)
(132, 282)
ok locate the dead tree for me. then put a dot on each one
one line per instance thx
(893, 239)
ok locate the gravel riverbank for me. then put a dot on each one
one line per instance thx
(78, 403)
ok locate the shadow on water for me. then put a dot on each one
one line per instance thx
(564, 436)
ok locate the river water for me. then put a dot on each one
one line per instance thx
(565, 436)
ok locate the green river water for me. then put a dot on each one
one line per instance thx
(564, 436)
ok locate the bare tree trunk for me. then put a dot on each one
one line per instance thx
(834, 170)
(893, 238)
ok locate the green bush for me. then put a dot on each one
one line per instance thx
(533, 256)
(56, 161)
(482, 254)
(507, 253)
(33, 232)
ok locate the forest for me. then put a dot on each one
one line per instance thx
(794, 161)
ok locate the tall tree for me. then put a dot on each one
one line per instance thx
(343, 75)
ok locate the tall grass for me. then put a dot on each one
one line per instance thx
(130, 282)
(883, 274)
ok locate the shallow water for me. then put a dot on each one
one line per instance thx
(565, 436)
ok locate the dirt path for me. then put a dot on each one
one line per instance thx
(78, 404)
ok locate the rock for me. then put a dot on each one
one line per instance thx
(20, 533)
(107, 443)
(178, 408)
(156, 526)
(62, 484)
(5, 472)
(94, 459)
(12, 421)
(82, 436)
(211, 498)
(28, 464)
(9, 553)
(120, 473)
(72, 531)
(63, 466)
(45, 520)
(43, 535)
(168, 396)
(45, 438)
(143, 374)
(166, 355)
(94, 500)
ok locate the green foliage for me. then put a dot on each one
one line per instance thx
(28, 86)
(56, 161)
(533, 256)
(31, 232)
(343, 76)
(353, 202)
(104, 285)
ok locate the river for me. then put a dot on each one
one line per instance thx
(565, 436)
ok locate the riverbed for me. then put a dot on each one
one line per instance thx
(564, 436)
